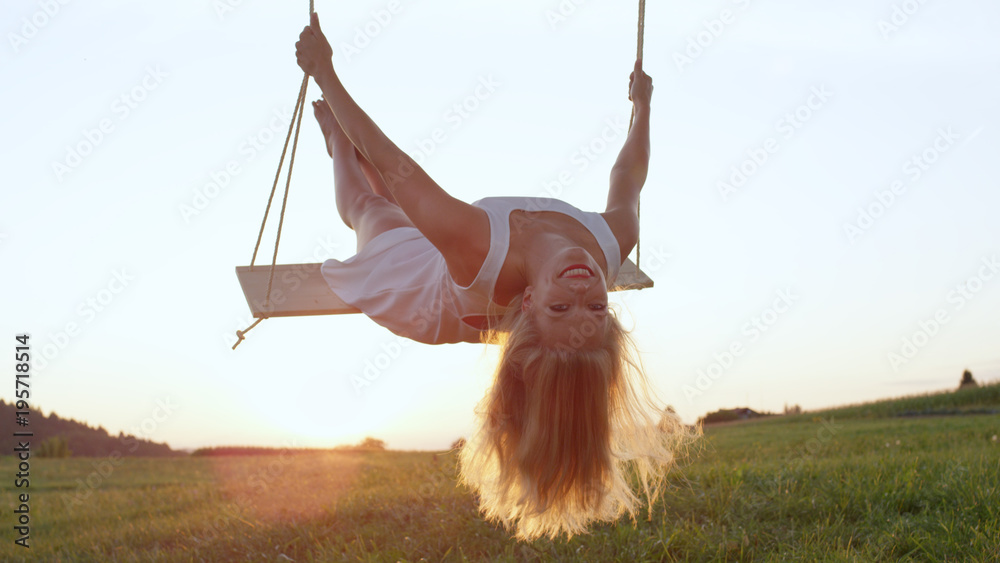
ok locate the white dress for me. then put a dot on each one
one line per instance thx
(400, 280)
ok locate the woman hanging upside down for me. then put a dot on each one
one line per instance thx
(569, 411)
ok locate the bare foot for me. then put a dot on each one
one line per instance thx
(328, 125)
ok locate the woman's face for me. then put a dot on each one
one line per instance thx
(569, 300)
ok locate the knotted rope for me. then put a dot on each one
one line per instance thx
(294, 126)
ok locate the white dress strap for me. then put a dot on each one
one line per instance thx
(498, 209)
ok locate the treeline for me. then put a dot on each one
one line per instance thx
(366, 445)
(54, 436)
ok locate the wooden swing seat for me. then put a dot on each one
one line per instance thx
(300, 290)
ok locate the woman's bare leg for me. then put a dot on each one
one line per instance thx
(374, 178)
(361, 209)
(350, 183)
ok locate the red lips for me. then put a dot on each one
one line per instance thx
(578, 267)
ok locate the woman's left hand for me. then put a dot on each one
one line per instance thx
(313, 51)
(640, 86)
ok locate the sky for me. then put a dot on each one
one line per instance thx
(820, 217)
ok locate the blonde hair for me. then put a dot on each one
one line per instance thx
(560, 429)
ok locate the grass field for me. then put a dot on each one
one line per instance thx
(855, 484)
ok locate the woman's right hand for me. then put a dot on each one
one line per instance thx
(640, 86)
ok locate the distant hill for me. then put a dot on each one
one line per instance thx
(80, 439)
(983, 399)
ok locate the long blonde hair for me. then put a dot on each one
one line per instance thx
(559, 430)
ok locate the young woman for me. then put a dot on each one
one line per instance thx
(569, 410)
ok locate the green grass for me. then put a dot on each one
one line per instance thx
(805, 488)
(979, 400)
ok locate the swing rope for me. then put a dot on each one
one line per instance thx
(296, 125)
(638, 55)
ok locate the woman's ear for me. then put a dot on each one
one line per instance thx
(526, 300)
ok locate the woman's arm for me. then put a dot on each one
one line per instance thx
(314, 56)
(450, 224)
(629, 172)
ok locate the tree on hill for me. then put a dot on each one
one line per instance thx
(370, 443)
(967, 380)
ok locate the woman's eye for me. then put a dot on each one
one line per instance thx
(598, 306)
(559, 308)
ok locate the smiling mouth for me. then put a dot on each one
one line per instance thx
(577, 271)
